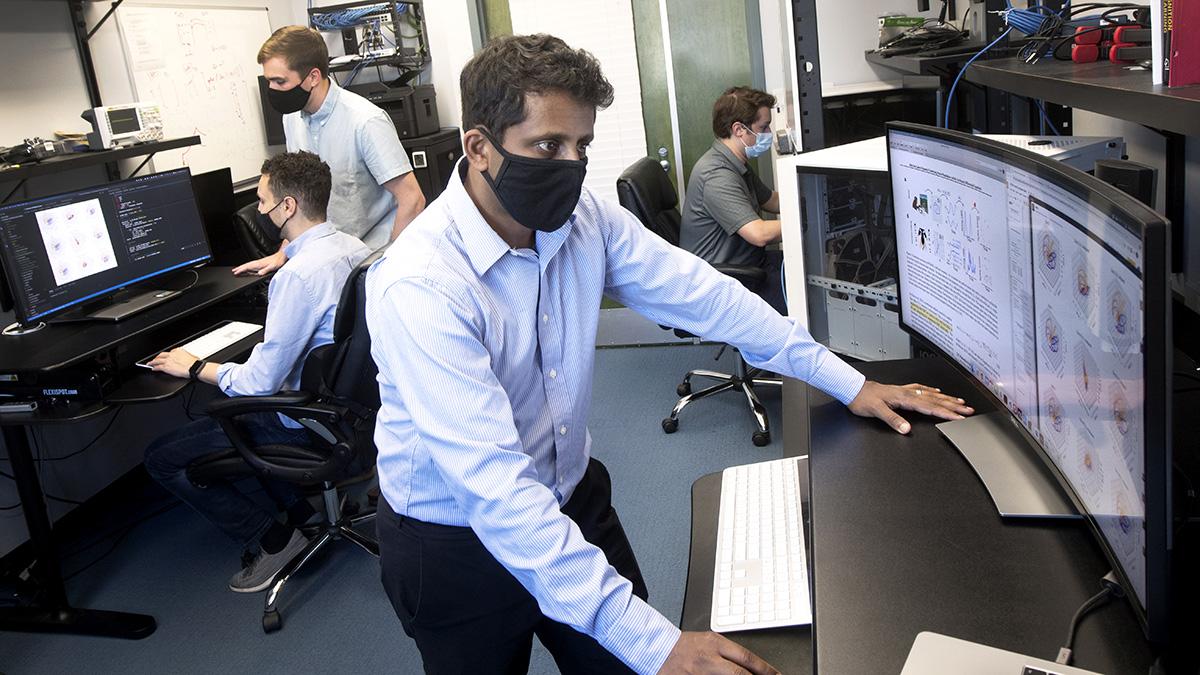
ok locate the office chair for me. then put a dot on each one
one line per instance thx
(255, 240)
(646, 191)
(337, 402)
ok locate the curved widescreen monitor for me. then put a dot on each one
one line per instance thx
(64, 250)
(1050, 288)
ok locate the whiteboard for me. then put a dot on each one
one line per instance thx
(200, 65)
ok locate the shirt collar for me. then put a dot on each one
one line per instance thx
(483, 246)
(742, 167)
(326, 109)
(310, 235)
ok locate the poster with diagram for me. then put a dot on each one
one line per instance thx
(76, 241)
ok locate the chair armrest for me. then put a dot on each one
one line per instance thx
(749, 276)
(245, 405)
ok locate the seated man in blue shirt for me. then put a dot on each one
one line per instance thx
(302, 298)
(374, 193)
(495, 524)
(723, 219)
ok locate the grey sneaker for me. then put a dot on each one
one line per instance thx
(257, 576)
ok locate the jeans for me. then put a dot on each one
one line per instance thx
(231, 510)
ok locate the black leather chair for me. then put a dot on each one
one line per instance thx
(256, 241)
(337, 403)
(646, 191)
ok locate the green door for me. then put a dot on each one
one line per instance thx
(714, 45)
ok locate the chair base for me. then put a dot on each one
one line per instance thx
(337, 526)
(743, 380)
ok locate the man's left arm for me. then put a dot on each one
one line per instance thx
(410, 200)
(673, 287)
(772, 203)
(290, 325)
(388, 163)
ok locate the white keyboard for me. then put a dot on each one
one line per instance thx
(213, 341)
(761, 577)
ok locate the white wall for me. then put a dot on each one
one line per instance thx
(846, 30)
(451, 44)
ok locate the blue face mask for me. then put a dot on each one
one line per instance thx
(762, 145)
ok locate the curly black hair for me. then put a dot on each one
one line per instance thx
(495, 82)
(303, 177)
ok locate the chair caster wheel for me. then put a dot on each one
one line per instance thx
(271, 621)
(684, 389)
(670, 425)
(761, 438)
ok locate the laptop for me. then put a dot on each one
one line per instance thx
(936, 654)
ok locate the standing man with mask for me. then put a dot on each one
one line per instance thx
(375, 194)
(302, 298)
(495, 524)
(723, 213)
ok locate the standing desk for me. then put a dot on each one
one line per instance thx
(903, 538)
(61, 346)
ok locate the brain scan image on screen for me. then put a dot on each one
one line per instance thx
(1083, 292)
(1050, 259)
(1058, 430)
(1088, 384)
(1118, 320)
(76, 241)
(1052, 342)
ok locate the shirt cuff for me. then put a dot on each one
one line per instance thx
(642, 638)
(225, 377)
(837, 378)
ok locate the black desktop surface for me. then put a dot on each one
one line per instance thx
(906, 539)
(64, 345)
(903, 538)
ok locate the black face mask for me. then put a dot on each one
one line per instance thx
(538, 193)
(273, 232)
(287, 101)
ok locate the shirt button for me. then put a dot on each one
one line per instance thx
(562, 431)
(545, 318)
(553, 373)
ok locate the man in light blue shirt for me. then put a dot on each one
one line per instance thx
(496, 525)
(302, 300)
(374, 194)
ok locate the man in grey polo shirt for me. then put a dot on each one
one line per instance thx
(375, 194)
(723, 214)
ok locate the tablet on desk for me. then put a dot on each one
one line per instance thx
(209, 341)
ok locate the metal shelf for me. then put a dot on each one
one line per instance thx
(78, 160)
(1102, 87)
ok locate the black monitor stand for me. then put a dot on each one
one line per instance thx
(1016, 478)
(129, 301)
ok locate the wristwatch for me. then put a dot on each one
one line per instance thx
(194, 371)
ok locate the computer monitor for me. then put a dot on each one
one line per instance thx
(1051, 289)
(65, 250)
(214, 198)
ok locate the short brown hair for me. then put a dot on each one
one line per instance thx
(738, 104)
(303, 177)
(301, 48)
(495, 81)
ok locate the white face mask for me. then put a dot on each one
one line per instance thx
(762, 144)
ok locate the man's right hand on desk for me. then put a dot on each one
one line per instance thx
(262, 266)
(696, 653)
(883, 400)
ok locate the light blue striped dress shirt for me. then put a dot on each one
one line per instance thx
(302, 299)
(358, 141)
(485, 358)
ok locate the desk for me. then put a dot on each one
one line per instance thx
(904, 538)
(64, 345)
